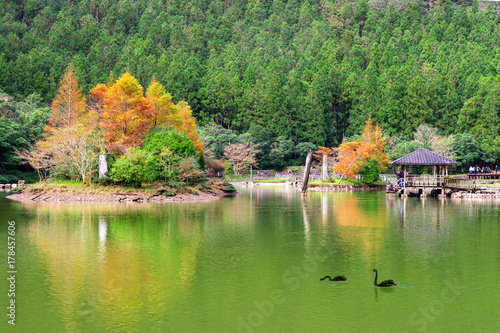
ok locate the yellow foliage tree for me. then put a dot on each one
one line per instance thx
(374, 145)
(188, 125)
(69, 103)
(162, 108)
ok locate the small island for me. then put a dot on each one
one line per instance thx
(67, 191)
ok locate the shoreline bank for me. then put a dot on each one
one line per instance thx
(82, 193)
(69, 197)
(329, 188)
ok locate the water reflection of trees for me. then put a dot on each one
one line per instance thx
(118, 261)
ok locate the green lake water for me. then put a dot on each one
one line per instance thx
(251, 263)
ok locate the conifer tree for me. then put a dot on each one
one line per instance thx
(188, 125)
(126, 119)
(162, 109)
(69, 103)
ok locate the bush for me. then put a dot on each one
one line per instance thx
(104, 181)
(134, 168)
(170, 148)
(206, 186)
(175, 184)
(370, 171)
(17, 189)
(189, 171)
(228, 187)
(177, 142)
(12, 179)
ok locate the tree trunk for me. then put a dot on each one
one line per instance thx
(324, 168)
(305, 180)
(103, 166)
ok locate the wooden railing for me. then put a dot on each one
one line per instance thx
(425, 181)
(461, 183)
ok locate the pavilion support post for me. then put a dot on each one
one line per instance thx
(443, 193)
(404, 182)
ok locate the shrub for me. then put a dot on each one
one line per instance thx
(104, 181)
(189, 171)
(370, 171)
(170, 148)
(177, 142)
(3, 179)
(17, 189)
(228, 187)
(134, 168)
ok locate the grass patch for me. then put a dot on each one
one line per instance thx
(74, 187)
(343, 182)
(274, 180)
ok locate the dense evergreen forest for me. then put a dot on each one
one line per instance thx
(307, 71)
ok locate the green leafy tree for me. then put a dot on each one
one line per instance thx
(466, 150)
(370, 171)
(281, 150)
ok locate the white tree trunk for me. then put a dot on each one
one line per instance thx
(103, 166)
(324, 169)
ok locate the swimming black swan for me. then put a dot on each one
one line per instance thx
(386, 283)
(337, 278)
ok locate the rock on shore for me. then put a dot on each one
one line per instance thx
(476, 195)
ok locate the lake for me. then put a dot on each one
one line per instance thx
(252, 263)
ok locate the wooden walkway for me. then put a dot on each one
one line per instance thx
(433, 182)
(490, 175)
(462, 184)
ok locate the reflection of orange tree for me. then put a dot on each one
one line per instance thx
(125, 262)
(149, 267)
(350, 212)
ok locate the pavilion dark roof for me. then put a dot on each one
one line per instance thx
(423, 157)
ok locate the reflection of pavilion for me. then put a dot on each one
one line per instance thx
(433, 215)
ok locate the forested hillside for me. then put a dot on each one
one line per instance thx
(310, 71)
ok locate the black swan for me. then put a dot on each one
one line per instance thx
(386, 283)
(337, 278)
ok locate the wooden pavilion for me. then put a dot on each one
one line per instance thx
(423, 157)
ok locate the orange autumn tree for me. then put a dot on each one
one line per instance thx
(96, 102)
(188, 125)
(349, 154)
(352, 155)
(69, 104)
(72, 144)
(127, 115)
